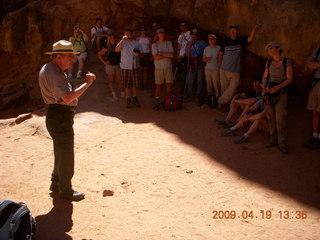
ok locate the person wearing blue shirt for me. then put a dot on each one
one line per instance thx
(196, 66)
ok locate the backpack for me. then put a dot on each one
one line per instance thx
(272, 98)
(172, 102)
(316, 80)
(16, 222)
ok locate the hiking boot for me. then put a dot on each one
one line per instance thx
(315, 145)
(157, 105)
(54, 187)
(284, 150)
(135, 101)
(241, 139)
(228, 132)
(271, 145)
(129, 104)
(310, 142)
(74, 196)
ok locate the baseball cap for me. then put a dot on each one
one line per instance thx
(234, 26)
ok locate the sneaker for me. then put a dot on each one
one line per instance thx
(228, 132)
(271, 145)
(129, 104)
(79, 75)
(310, 142)
(135, 101)
(114, 96)
(228, 124)
(241, 139)
(220, 121)
(315, 145)
(70, 76)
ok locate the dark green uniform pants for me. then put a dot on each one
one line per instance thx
(277, 117)
(59, 122)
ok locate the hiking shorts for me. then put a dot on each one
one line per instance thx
(163, 75)
(314, 98)
(112, 69)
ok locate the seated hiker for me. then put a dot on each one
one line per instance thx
(99, 34)
(259, 121)
(243, 101)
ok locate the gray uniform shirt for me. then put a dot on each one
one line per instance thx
(54, 84)
(162, 47)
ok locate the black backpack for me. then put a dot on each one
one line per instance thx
(16, 222)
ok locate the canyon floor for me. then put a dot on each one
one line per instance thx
(165, 175)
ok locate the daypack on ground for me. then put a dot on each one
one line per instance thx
(172, 102)
(16, 222)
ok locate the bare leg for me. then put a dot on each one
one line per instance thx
(158, 90)
(111, 82)
(168, 88)
(244, 110)
(118, 77)
(81, 64)
(254, 127)
(240, 124)
(134, 92)
(233, 109)
(128, 92)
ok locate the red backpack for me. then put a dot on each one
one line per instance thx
(172, 102)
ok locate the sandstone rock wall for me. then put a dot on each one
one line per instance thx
(28, 29)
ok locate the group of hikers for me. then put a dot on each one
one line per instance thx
(202, 66)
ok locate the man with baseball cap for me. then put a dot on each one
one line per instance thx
(230, 63)
(62, 98)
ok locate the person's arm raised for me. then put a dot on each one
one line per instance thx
(71, 96)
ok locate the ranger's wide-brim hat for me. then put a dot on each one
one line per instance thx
(62, 46)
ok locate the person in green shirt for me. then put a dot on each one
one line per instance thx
(78, 41)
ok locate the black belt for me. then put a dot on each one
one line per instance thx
(63, 107)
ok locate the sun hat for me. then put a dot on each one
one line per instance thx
(62, 46)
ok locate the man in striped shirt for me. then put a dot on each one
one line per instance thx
(230, 63)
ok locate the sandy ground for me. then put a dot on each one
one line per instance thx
(170, 173)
